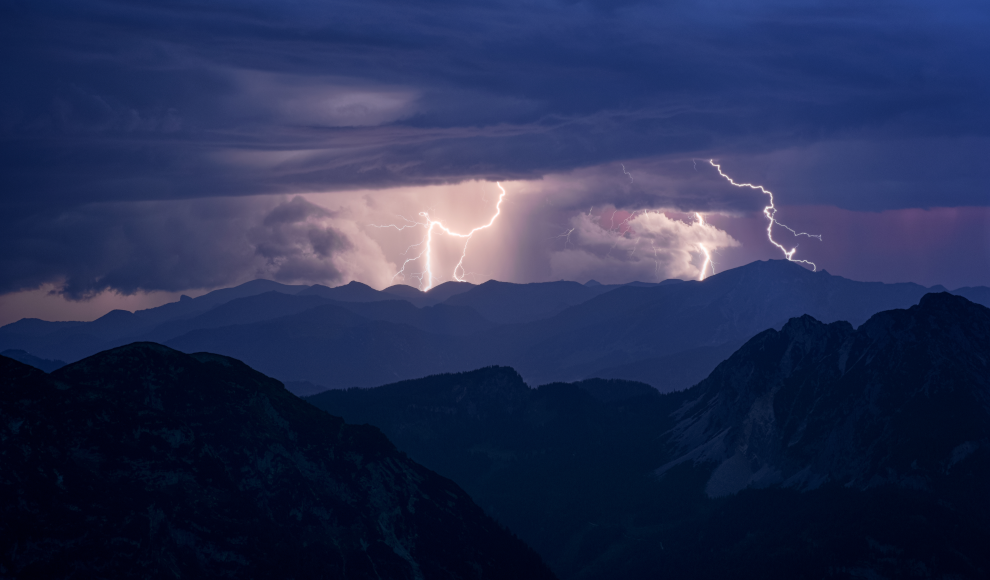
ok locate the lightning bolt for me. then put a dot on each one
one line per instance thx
(626, 172)
(656, 261)
(426, 277)
(567, 237)
(771, 212)
(704, 250)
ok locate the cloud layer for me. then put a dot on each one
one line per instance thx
(150, 146)
(174, 246)
(646, 246)
(135, 100)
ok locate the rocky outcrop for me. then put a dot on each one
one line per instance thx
(901, 400)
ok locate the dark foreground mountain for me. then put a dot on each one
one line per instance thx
(146, 462)
(815, 451)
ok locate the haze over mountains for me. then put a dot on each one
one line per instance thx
(815, 451)
(668, 335)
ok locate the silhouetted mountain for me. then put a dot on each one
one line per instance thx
(901, 400)
(245, 304)
(977, 294)
(434, 295)
(668, 335)
(404, 292)
(43, 364)
(34, 328)
(611, 390)
(542, 461)
(256, 308)
(145, 462)
(193, 306)
(443, 319)
(506, 303)
(76, 340)
(73, 341)
(333, 346)
(304, 388)
(814, 451)
(630, 324)
(350, 292)
(671, 372)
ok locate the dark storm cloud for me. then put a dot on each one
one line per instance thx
(296, 245)
(109, 107)
(127, 247)
(137, 100)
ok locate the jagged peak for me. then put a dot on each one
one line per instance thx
(806, 324)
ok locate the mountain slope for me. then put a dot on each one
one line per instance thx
(145, 462)
(816, 451)
(350, 292)
(902, 400)
(434, 295)
(669, 335)
(75, 340)
(31, 360)
(332, 346)
(632, 324)
(505, 303)
(187, 306)
(544, 461)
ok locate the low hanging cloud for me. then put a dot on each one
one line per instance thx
(176, 246)
(297, 243)
(648, 246)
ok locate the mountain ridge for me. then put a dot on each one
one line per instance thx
(812, 450)
(669, 335)
(145, 461)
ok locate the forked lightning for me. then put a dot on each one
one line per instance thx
(426, 278)
(771, 212)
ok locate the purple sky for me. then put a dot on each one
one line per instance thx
(153, 150)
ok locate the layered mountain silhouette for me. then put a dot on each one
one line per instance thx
(668, 335)
(31, 360)
(146, 462)
(818, 450)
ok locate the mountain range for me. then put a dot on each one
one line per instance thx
(818, 450)
(669, 335)
(146, 462)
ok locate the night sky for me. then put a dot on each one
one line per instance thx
(151, 149)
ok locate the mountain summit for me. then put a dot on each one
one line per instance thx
(902, 400)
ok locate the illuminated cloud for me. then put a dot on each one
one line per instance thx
(648, 246)
(142, 145)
